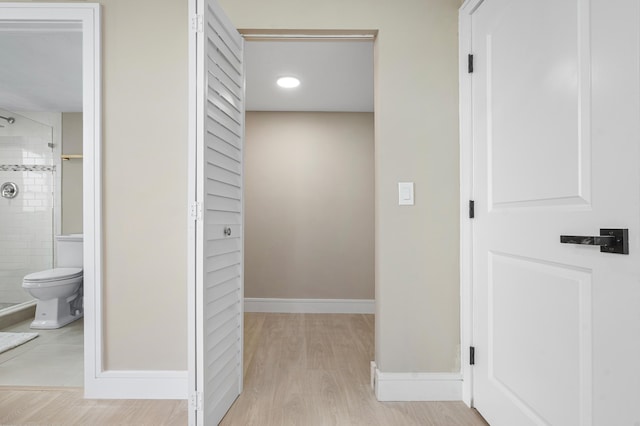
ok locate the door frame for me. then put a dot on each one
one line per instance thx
(88, 15)
(191, 211)
(466, 194)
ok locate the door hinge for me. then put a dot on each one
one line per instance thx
(196, 23)
(195, 210)
(195, 401)
(470, 63)
(472, 355)
(472, 209)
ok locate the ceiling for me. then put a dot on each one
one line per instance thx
(41, 70)
(41, 67)
(334, 75)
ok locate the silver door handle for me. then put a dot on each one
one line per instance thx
(609, 240)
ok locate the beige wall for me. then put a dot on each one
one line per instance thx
(145, 175)
(71, 173)
(145, 75)
(416, 126)
(309, 205)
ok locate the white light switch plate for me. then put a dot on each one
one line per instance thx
(405, 193)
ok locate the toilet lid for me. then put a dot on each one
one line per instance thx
(55, 274)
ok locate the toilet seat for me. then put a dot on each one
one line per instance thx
(52, 277)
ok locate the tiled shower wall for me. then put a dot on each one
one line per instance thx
(26, 221)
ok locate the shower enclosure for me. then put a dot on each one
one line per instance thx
(27, 182)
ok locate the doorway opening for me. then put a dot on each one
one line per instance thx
(54, 89)
(309, 175)
(309, 281)
(216, 214)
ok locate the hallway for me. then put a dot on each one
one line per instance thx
(313, 369)
(300, 369)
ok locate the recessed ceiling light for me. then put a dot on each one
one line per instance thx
(288, 82)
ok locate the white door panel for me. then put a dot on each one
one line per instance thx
(522, 140)
(556, 139)
(219, 251)
(532, 335)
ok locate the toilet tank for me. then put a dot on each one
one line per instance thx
(69, 251)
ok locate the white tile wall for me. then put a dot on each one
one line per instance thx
(26, 222)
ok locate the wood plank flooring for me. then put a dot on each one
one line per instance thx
(313, 369)
(66, 407)
(300, 369)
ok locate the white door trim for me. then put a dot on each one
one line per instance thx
(466, 194)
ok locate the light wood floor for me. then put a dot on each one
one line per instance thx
(313, 369)
(300, 369)
(66, 407)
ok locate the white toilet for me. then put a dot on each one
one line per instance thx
(58, 290)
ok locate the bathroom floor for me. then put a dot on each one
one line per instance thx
(54, 358)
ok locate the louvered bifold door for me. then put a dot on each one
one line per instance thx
(220, 124)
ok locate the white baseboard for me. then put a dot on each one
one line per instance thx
(310, 306)
(137, 385)
(417, 386)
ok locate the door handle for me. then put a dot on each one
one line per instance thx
(609, 240)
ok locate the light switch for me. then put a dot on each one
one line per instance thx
(405, 193)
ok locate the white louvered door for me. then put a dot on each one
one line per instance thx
(219, 233)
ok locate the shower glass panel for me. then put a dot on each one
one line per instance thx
(26, 207)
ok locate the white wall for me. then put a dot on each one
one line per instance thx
(309, 205)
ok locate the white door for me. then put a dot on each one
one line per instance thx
(556, 139)
(219, 242)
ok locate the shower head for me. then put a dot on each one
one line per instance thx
(10, 120)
